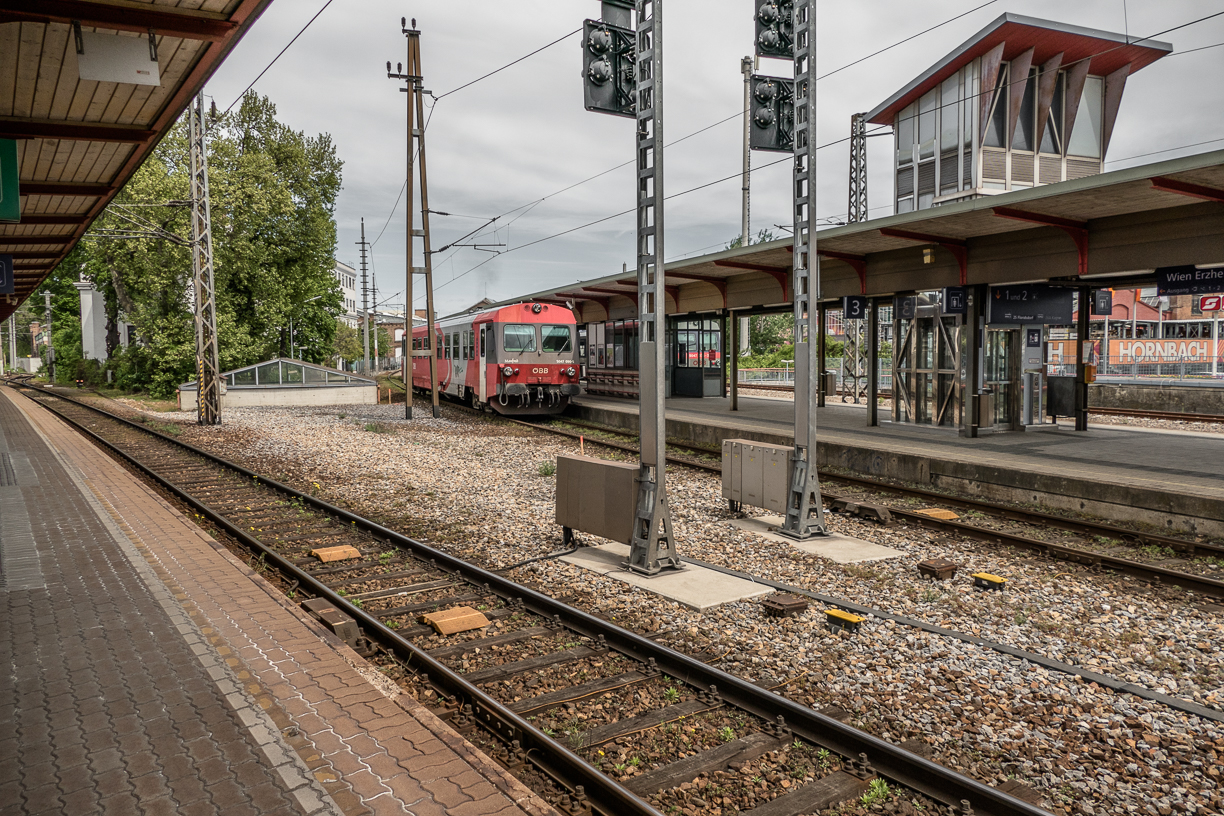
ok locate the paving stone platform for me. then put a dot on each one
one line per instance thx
(147, 670)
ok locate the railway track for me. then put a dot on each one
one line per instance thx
(1110, 558)
(513, 685)
(1170, 415)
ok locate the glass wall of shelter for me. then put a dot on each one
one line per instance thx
(694, 342)
(284, 372)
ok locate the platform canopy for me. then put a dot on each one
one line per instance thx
(80, 140)
(1169, 213)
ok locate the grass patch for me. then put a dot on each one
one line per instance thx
(379, 427)
(169, 429)
(547, 468)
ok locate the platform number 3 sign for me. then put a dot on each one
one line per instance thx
(854, 307)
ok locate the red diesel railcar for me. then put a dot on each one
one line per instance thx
(517, 360)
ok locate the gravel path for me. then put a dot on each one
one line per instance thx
(473, 486)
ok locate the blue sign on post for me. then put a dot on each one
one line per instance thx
(955, 300)
(1189, 280)
(7, 283)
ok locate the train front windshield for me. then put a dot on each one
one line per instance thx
(557, 339)
(519, 337)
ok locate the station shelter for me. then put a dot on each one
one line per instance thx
(1004, 225)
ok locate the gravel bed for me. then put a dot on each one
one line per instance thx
(475, 487)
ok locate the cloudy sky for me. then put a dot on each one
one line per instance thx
(508, 145)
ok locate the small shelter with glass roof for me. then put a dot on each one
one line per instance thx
(284, 381)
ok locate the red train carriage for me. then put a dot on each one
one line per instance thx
(517, 360)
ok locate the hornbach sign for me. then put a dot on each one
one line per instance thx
(1188, 280)
(10, 189)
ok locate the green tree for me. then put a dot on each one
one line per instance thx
(762, 237)
(273, 192)
(346, 345)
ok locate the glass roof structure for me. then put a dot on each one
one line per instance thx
(282, 372)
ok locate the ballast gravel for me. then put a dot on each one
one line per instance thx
(482, 489)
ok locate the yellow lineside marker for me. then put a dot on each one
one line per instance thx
(839, 619)
(938, 513)
(985, 580)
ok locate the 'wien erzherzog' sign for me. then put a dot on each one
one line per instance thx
(1188, 280)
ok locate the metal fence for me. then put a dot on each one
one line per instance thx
(833, 365)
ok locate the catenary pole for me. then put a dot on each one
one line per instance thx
(653, 547)
(804, 509)
(414, 39)
(365, 304)
(50, 341)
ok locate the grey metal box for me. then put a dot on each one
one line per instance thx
(775, 482)
(731, 470)
(756, 474)
(597, 497)
(751, 484)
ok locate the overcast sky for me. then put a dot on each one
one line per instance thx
(523, 134)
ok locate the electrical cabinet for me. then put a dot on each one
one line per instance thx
(756, 474)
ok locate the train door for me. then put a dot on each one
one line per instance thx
(483, 359)
(1001, 383)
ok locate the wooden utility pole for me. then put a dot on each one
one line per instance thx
(416, 145)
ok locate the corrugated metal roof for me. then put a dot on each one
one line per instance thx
(79, 141)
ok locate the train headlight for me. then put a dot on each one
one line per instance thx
(508, 371)
(569, 372)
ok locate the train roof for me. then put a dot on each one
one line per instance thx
(549, 313)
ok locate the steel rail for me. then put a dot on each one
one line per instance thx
(607, 795)
(891, 761)
(1171, 415)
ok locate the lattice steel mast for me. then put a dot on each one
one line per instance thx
(208, 367)
(365, 303)
(653, 548)
(858, 169)
(804, 509)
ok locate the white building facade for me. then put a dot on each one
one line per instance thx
(346, 278)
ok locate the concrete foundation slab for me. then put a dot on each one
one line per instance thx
(837, 548)
(695, 587)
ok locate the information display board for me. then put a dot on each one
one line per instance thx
(1031, 303)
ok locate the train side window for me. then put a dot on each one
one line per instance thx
(519, 337)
